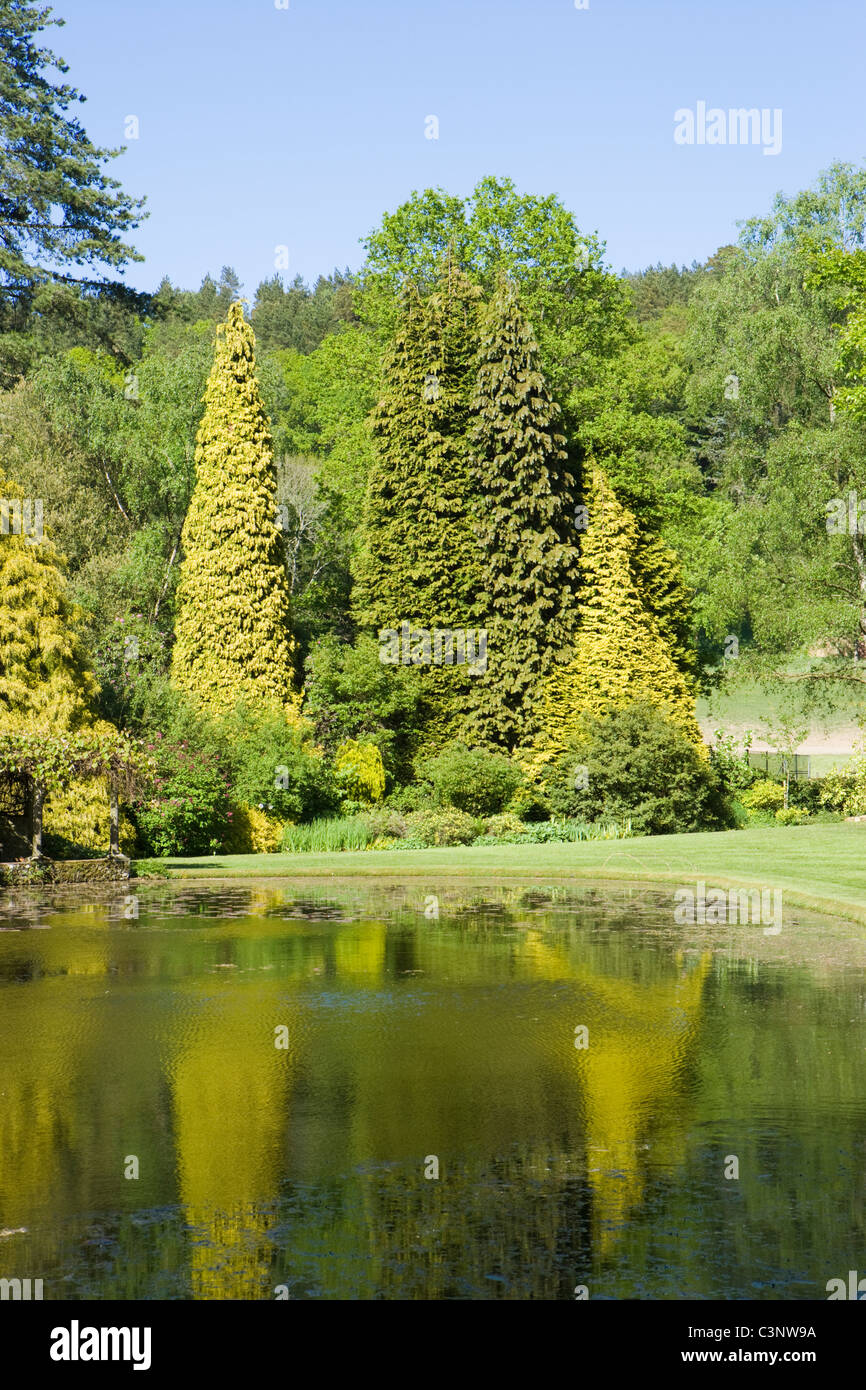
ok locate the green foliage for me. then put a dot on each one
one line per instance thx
(731, 761)
(327, 836)
(359, 771)
(298, 318)
(621, 652)
(272, 767)
(475, 780)
(186, 808)
(232, 639)
(763, 795)
(792, 815)
(56, 204)
(844, 789)
(351, 694)
(441, 827)
(526, 527)
(558, 832)
(634, 763)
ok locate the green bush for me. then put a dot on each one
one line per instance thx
(351, 694)
(731, 761)
(476, 781)
(272, 768)
(186, 809)
(794, 815)
(632, 763)
(560, 832)
(497, 827)
(844, 789)
(441, 827)
(764, 795)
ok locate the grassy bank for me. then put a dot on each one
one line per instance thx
(821, 867)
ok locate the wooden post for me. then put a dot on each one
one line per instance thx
(114, 830)
(37, 802)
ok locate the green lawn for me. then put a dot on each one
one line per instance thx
(822, 866)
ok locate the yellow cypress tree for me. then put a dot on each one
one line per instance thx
(233, 642)
(46, 681)
(621, 653)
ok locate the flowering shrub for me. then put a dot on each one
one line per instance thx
(186, 810)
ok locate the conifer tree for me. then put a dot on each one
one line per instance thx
(419, 560)
(526, 524)
(232, 637)
(621, 653)
(46, 681)
(419, 554)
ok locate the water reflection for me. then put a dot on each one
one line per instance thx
(410, 1040)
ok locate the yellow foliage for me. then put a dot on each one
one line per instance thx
(253, 832)
(620, 653)
(81, 814)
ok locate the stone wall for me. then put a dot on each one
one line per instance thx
(66, 871)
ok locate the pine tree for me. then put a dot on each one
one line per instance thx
(419, 560)
(232, 637)
(46, 681)
(526, 524)
(621, 653)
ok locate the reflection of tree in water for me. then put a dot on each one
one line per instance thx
(230, 1087)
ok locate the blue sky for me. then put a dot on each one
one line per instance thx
(262, 127)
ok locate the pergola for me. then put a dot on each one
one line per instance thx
(36, 762)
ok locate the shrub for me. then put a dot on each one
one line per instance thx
(252, 831)
(633, 763)
(794, 815)
(731, 761)
(441, 827)
(187, 809)
(475, 780)
(560, 832)
(844, 789)
(359, 771)
(764, 795)
(497, 827)
(273, 768)
(385, 822)
(351, 694)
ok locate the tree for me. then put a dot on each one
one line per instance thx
(233, 640)
(777, 451)
(55, 202)
(46, 680)
(526, 525)
(419, 558)
(620, 654)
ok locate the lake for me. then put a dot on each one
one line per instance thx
(223, 1090)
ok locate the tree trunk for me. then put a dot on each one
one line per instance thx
(114, 825)
(37, 802)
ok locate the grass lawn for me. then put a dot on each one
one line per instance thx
(821, 867)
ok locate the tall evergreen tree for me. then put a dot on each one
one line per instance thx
(233, 640)
(526, 524)
(621, 653)
(419, 560)
(57, 207)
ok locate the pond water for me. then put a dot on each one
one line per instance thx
(611, 1100)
